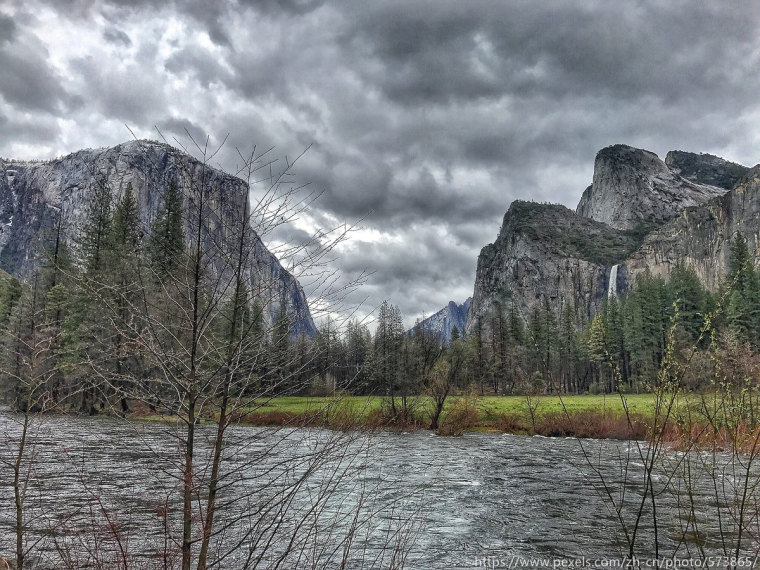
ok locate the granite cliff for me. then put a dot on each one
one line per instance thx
(639, 213)
(634, 188)
(700, 237)
(36, 196)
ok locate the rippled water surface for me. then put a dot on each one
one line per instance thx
(444, 502)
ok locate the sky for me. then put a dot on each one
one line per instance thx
(423, 120)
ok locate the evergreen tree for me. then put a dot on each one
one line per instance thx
(125, 228)
(97, 227)
(167, 233)
(358, 348)
(568, 350)
(550, 343)
(10, 292)
(743, 311)
(389, 340)
(615, 341)
(597, 348)
(689, 295)
(646, 315)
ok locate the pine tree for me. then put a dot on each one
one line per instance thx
(358, 352)
(743, 311)
(10, 292)
(689, 295)
(125, 228)
(167, 240)
(597, 347)
(96, 231)
(568, 351)
(615, 340)
(389, 339)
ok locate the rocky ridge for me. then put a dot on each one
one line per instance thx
(634, 188)
(700, 237)
(639, 213)
(442, 322)
(36, 196)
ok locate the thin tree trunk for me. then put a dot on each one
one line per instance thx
(18, 495)
(187, 494)
(208, 524)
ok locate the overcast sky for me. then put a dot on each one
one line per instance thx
(426, 119)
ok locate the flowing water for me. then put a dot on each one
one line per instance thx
(612, 288)
(295, 495)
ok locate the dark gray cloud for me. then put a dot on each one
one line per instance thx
(116, 36)
(29, 82)
(424, 119)
(7, 29)
(116, 91)
(439, 52)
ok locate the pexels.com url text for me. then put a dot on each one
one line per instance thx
(515, 562)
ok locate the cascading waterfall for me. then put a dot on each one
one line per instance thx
(612, 288)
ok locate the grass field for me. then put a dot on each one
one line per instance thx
(582, 416)
(611, 403)
(489, 406)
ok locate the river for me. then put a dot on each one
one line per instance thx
(293, 496)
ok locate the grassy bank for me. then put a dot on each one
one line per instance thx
(582, 416)
(489, 406)
(695, 421)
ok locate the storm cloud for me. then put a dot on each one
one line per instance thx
(424, 120)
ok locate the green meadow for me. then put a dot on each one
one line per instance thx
(490, 407)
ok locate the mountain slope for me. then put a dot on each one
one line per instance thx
(640, 213)
(442, 322)
(36, 196)
(700, 237)
(705, 168)
(548, 251)
(633, 187)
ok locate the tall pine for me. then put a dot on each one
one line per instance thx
(167, 233)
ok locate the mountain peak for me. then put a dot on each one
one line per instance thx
(36, 196)
(634, 188)
(442, 322)
(705, 168)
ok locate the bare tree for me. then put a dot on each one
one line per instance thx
(31, 374)
(211, 351)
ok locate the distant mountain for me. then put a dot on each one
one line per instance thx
(640, 213)
(452, 315)
(37, 196)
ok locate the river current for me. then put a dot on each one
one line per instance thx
(308, 498)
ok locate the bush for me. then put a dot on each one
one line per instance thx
(462, 415)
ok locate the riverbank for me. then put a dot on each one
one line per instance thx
(587, 416)
(688, 421)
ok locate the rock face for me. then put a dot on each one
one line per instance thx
(36, 196)
(700, 237)
(705, 169)
(640, 213)
(546, 252)
(441, 323)
(633, 188)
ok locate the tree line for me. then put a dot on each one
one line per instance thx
(52, 327)
(550, 350)
(168, 317)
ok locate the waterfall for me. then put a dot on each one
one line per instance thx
(612, 288)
